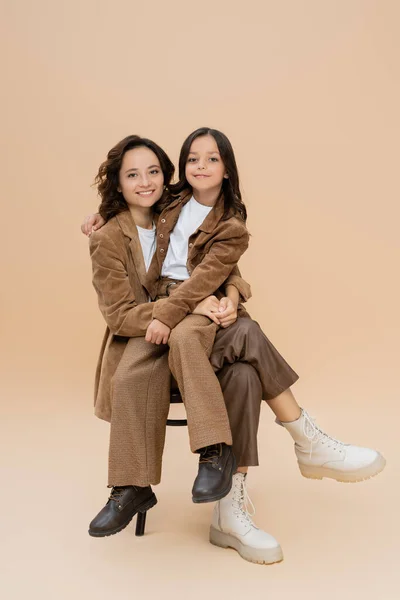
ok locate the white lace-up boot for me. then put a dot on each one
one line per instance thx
(232, 527)
(320, 455)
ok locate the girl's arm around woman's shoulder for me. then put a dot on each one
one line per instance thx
(118, 305)
(229, 241)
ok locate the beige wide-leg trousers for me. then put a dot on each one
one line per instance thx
(248, 368)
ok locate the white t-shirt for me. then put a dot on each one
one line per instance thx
(147, 239)
(191, 217)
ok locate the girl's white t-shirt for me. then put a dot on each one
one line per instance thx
(191, 217)
(147, 239)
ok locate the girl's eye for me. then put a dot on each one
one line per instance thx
(132, 175)
(214, 159)
(154, 172)
(191, 160)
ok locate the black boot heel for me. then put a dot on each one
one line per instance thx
(140, 523)
(141, 516)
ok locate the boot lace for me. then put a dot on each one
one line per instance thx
(210, 454)
(116, 494)
(314, 434)
(242, 502)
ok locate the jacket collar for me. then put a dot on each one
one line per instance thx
(129, 229)
(213, 217)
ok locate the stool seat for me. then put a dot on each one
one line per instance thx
(176, 398)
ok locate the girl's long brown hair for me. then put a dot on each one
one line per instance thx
(234, 205)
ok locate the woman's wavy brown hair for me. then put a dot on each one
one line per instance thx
(234, 205)
(107, 179)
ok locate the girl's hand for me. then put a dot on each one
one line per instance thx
(157, 332)
(227, 312)
(208, 307)
(91, 223)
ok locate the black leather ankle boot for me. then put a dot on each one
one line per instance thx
(217, 465)
(122, 505)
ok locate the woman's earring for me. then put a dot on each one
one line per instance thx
(226, 176)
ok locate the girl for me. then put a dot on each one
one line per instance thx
(231, 523)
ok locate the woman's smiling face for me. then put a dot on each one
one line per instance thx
(141, 179)
(204, 168)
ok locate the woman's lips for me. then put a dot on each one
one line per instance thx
(146, 193)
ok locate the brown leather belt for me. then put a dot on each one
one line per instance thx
(166, 286)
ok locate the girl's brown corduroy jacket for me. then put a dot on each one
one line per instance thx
(123, 286)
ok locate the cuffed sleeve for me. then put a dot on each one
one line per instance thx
(240, 284)
(228, 246)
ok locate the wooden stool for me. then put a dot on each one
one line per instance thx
(141, 516)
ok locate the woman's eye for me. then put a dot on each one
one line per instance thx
(132, 175)
(154, 172)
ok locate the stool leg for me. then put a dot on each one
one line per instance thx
(140, 523)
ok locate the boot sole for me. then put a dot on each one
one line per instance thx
(221, 495)
(142, 508)
(261, 556)
(344, 477)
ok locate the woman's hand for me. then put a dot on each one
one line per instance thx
(209, 308)
(91, 223)
(157, 332)
(227, 312)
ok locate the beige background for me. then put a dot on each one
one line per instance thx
(309, 94)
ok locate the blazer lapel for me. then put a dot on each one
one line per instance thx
(129, 229)
(150, 281)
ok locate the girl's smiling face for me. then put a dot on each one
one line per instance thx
(204, 168)
(141, 179)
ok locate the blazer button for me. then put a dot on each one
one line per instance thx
(161, 235)
(162, 220)
(162, 250)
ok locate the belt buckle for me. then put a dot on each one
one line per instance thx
(168, 286)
